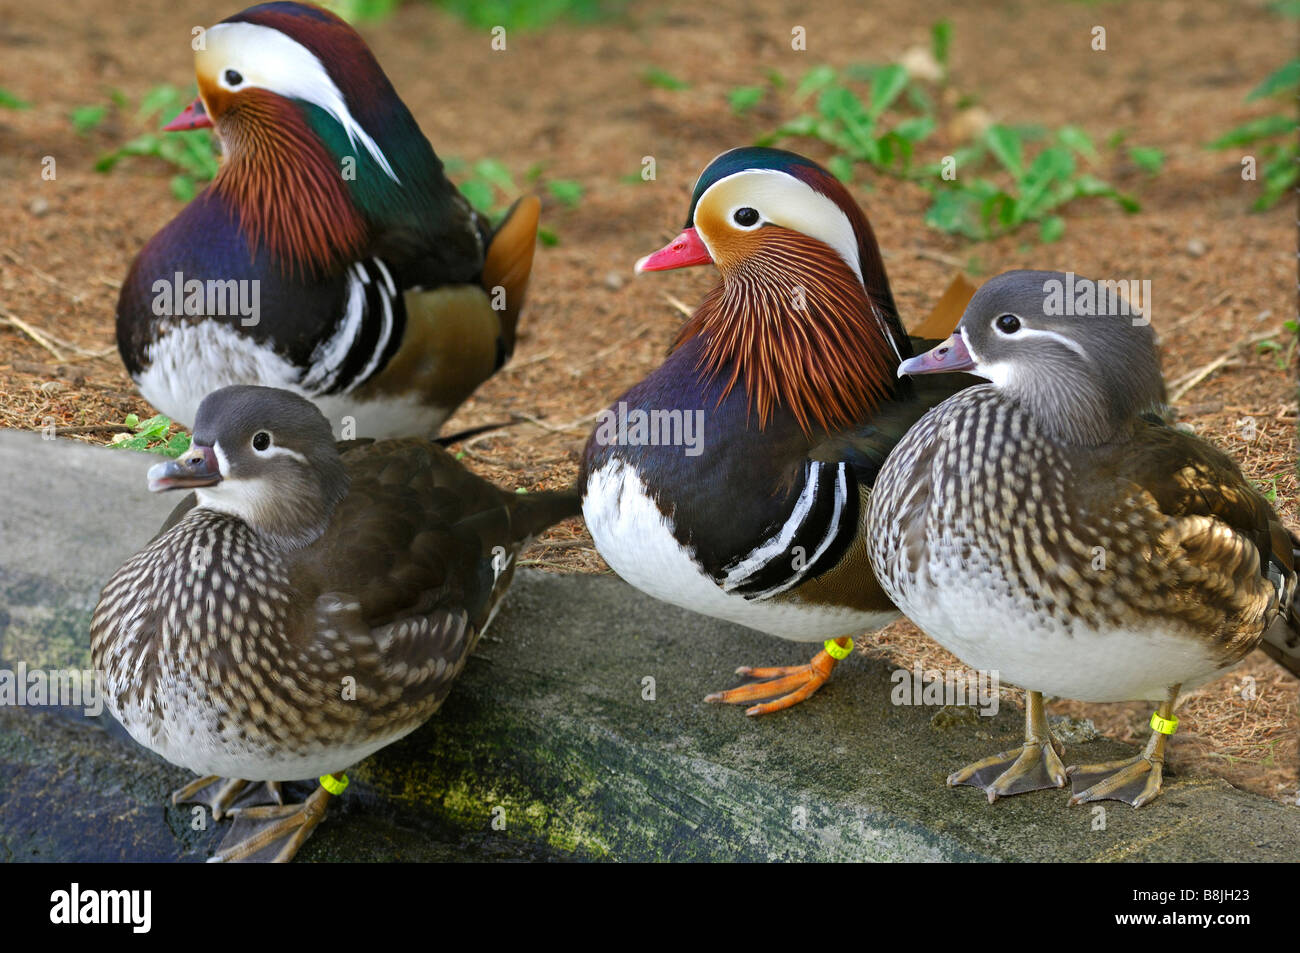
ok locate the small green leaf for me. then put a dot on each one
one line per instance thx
(86, 118)
(814, 80)
(655, 76)
(1051, 229)
(1285, 79)
(745, 98)
(1255, 129)
(568, 192)
(841, 167)
(1147, 158)
(940, 41)
(1075, 138)
(495, 172)
(183, 187)
(888, 83)
(548, 237)
(478, 194)
(10, 101)
(915, 129)
(1004, 143)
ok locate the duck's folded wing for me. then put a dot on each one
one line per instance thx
(1242, 557)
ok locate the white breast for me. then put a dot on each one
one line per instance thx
(189, 361)
(637, 541)
(980, 619)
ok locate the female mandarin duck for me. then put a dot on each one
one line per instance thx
(788, 364)
(1044, 526)
(310, 604)
(331, 255)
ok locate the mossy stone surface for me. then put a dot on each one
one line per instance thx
(552, 746)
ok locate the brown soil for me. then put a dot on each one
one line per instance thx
(573, 97)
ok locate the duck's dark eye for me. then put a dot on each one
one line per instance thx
(233, 78)
(1007, 323)
(745, 217)
(261, 440)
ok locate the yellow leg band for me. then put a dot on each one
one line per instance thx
(1166, 726)
(837, 651)
(335, 786)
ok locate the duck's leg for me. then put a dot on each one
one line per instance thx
(793, 683)
(274, 833)
(225, 792)
(1133, 780)
(1033, 766)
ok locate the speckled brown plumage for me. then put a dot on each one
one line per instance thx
(1158, 526)
(233, 654)
(1050, 528)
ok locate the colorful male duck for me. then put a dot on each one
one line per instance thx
(330, 256)
(1045, 526)
(307, 606)
(787, 367)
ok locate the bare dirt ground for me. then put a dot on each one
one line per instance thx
(1174, 76)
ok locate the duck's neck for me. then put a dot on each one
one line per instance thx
(795, 328)
(290, 193)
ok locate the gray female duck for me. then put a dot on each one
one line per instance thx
(1047, 527)
(309, 605)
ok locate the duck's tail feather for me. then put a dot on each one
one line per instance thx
(1282, 639)
(509, 262)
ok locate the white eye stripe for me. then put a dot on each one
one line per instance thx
(1069, 342)
(275, 450)
(784, 200)
(268, 59)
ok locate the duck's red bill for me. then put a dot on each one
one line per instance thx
(193, 116)
(947, 358)
(683, 251)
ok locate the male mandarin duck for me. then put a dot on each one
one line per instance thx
(1048, 527)
(788, 363)
(308, 605)
(330, 256)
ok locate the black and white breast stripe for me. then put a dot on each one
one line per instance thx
(820, 527)
(367, 335)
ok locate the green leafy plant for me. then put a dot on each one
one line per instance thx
(9, 100)
(486, 183)
(858, 127)
(485, 14)
(1272, 137)
(529, 14)
(151, 436)
(1027, 190)
(996, 183)
(1283, 352)
(190, 153)
(490, 188)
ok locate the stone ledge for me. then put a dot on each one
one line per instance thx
(549, 724)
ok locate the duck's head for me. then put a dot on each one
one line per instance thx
(1083, 376)
(306, 118)
(265, 456)
(804, 314)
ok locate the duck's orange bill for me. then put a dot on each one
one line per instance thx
(193, 116)
(683, 251)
